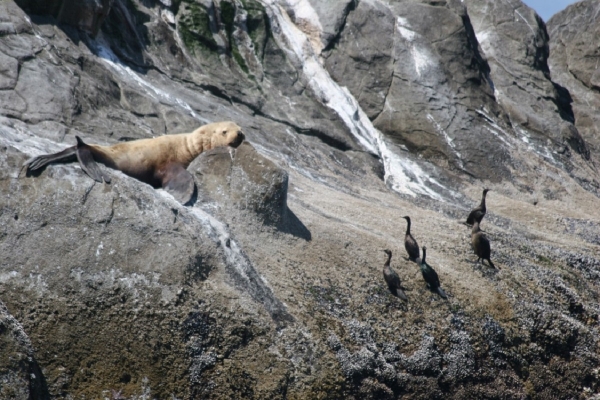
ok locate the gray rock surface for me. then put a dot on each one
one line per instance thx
(406, 70)
(87, 15)
(515, 41)
(253, 183)
(269, 286)
(573, 65)
(20, 375)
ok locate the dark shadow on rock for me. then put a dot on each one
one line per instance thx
(295, 227)
(38, 386)
(126, 31)
(563, 101)
(85, 15)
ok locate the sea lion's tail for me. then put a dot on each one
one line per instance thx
(87, 162)
(82, 153)
(39, 162)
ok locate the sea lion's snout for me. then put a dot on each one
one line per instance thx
(238, 140)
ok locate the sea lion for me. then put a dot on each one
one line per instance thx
(160, 161)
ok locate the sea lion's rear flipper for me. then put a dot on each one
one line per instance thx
(88, 164)
(178, 182)
(39, 162)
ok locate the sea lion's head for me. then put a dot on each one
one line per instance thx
(226, 133)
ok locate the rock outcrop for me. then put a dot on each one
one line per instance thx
(573, 66)
(87, 15)
(269, 285)
(245, 180)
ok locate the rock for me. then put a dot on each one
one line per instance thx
(20, 375)
(320, 21)
(515, 41)
(403, 72)
(270, 285)
(245, 180)
(572, 63)
(87, 15)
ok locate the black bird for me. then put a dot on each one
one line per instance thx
(410, 244)
(481, 245)
(431, 277)
(478, 212)
(392, 279)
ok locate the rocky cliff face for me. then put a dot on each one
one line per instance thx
(356, 113)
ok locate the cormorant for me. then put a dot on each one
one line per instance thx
(410, 244)
(478, 212)
(392, 279)
(481, 245)
(431, 277)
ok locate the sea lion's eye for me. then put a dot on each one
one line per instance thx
(224, 133)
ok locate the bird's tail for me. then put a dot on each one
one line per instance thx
(441, 292)
(492, 264)
(400, 293)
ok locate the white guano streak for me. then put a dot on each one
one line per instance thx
(218, 232)
(421, 60)
(111, 59)
(345, 105)
(448, 139)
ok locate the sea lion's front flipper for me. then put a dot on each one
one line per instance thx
(179, 182)
(87, 162)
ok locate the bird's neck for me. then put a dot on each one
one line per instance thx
(408, 227)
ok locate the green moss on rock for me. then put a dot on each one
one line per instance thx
(237, 56)
(194, 27)
(227, 18)
(228, 12)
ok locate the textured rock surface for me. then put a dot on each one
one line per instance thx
(245, 180)
(405, 72)
(87, 15)
(573, 64)
(270, 285)
(515, 41)
(20, 375)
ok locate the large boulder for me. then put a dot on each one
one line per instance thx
(245, 180)
(515, 41)
(121, 281)
(573, 63)
(405, 70)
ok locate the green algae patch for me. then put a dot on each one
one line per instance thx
(194, 27)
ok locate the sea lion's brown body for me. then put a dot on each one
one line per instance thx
(160, 162)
